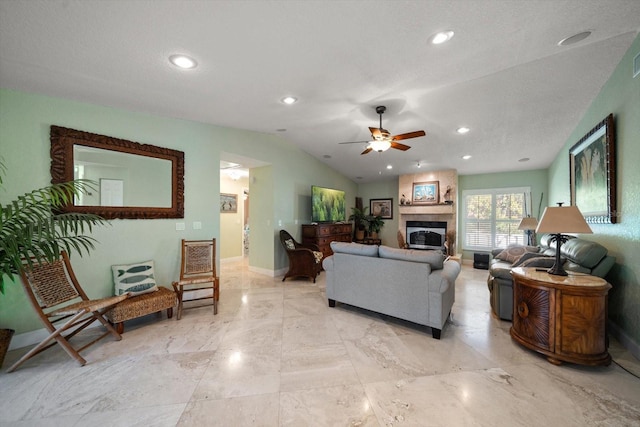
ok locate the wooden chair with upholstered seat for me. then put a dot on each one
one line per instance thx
(58, 299)
(197, 273)
(305, 260)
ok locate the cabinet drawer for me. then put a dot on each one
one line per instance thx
(531, 317)
(344, 228)
(324, 241)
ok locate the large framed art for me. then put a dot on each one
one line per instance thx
(426, 193)
(592, 164)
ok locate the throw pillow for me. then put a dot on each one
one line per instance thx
(290, 245)
(318, 256)
(527, 256)
(541, 262)
(134, 278)
(513, 252)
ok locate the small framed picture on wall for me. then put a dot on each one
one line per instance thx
(228, 203)
(381, 207)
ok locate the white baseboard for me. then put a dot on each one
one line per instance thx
(267, 272)
(231, 259)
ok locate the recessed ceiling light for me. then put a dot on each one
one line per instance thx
(441, 37)
(281, 130)
(183, 61)
(327, 156)
(389, 167)
(466, 157)
(574, 38)
(289, 100)
(462, 130)
(524, 159)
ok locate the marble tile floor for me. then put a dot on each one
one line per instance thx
(277, 355)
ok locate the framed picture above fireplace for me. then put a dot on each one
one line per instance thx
(426, 193)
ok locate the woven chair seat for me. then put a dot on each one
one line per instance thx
(197, 280)
(141, 305)
(88, 306)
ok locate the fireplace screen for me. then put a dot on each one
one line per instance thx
(426, 234)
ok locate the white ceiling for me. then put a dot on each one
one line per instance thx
(503, 74)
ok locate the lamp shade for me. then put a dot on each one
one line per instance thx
(528, 223)
(563, 219)
(380, 145)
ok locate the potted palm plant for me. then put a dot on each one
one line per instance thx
(359, 218)
(33, 230)
(375, 225)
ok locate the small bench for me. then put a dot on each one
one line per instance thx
(141, 305)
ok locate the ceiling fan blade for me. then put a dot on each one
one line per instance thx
(376, 133)
(399, 146)
(354, 142)
(415, 134)
(366, 151)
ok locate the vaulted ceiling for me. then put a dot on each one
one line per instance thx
(503, 74)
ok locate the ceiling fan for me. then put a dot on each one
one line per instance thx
(382, 139)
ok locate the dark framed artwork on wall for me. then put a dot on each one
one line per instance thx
(381, 207)
(592, 164)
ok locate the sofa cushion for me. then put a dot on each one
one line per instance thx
(541, 262)
(434, 258)
(354, 249)
(134, 278)
(587, 254)
(572, 266)
(513, 252)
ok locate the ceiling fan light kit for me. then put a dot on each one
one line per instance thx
(379, 145)
(382, 139)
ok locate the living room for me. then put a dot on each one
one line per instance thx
(280, 187)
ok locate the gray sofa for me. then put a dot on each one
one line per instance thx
(579, 255)
(412, 285)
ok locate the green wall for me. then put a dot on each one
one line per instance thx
(620, 96)
(387, 189)
(536, 179)
(280, 194)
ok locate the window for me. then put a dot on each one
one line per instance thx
(490, 217)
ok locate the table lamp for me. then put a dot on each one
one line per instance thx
(561, 219)
(528, 224)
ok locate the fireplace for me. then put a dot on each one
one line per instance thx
(426, 234)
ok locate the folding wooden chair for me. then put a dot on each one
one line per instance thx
(197, 268)
(58, 298)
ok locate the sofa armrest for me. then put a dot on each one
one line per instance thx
(327, 263)
(441, 280)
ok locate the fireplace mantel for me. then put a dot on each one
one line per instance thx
(424, 212)
(440, 209)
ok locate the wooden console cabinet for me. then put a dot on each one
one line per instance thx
(323, 234)
(562, 317)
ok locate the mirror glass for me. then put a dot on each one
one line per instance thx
(132, 180)
(123, 179)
